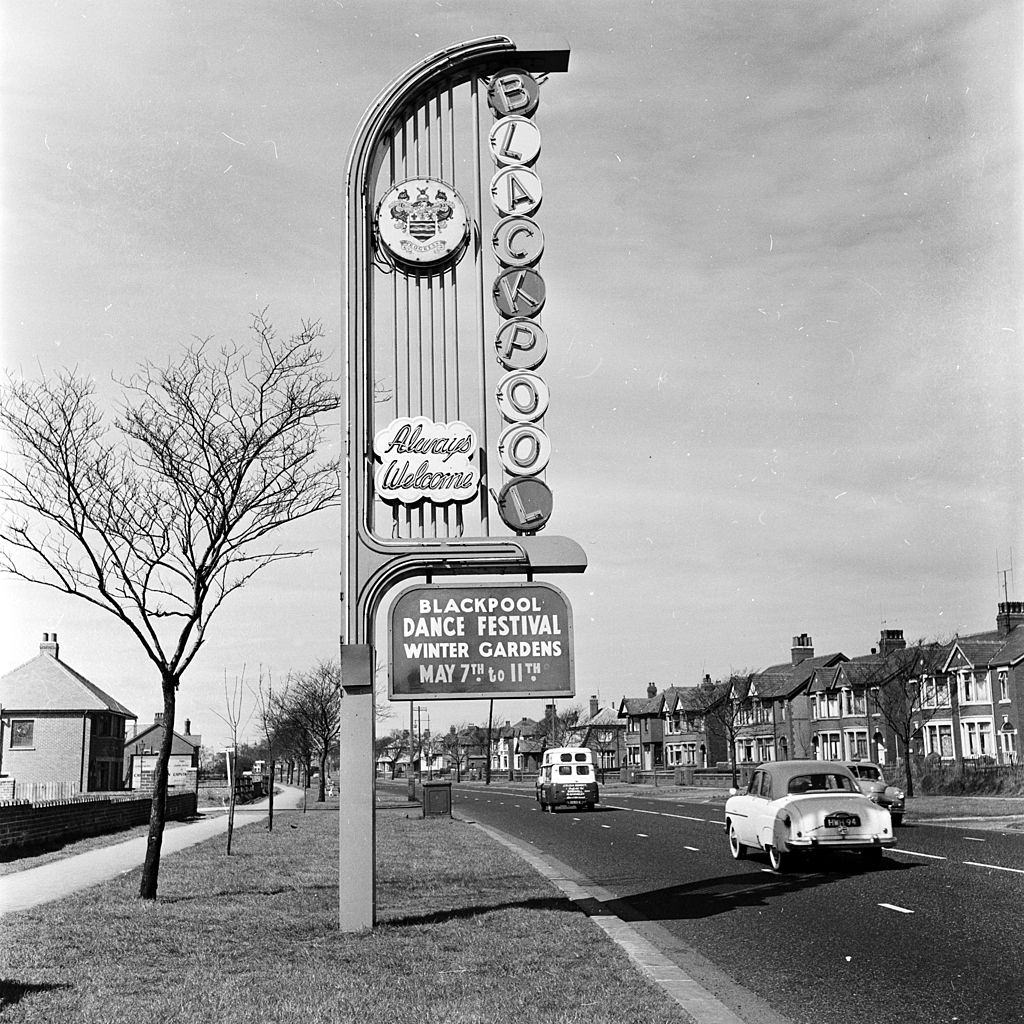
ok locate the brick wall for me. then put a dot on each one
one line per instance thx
(24, 824)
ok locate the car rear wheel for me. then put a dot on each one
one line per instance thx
(780, 860)
(736, 848)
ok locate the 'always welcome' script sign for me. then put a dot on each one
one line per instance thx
(424, 460)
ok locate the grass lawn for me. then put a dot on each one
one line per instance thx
(467, 933)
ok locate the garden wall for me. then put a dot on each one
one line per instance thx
(47, 822)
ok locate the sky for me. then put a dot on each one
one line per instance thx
(783, 256)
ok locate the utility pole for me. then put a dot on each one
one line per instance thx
(487, 762)
(412, 781)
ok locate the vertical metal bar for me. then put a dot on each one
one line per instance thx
(454, 292)
(477, 244)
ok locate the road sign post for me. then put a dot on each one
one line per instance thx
(427, 183)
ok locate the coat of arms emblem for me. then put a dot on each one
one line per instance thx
(422, 221)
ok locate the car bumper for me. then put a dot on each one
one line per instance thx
(840, 842)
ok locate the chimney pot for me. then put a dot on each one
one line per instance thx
(802, 649)
(652, 690)
(188, 727)
(594, 706)
(49, 645)
(158, 718)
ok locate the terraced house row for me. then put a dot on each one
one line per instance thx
(959, 700)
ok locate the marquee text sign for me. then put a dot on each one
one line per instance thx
(490, 640)
(424, 460)
(519, 293)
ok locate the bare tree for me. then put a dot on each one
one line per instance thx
(391, 747)
(272, 723)
(234, 700)
(160, 517)
(314, 702)
(896, 685)
(714, 702)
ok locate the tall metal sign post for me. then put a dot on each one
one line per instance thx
(447, 455)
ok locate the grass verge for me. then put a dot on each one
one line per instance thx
(467, 933)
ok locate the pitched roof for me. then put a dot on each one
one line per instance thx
(642, 705)
(46, 684)
(787, 679)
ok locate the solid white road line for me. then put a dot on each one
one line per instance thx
(915, 853)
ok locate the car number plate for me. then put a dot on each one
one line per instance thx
(842, 821)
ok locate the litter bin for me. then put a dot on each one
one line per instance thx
(437, 799)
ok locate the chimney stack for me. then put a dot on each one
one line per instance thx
(188, 727)
(652, 690)
(1011, 615)
(158, 718)
(594, 706)
(802, 649)
(49, 645)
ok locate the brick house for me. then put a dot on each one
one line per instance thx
(972, 704)
(516, 748)
(845, 718)
(602, 731)
(771, 708)
(694, 733)
(140, 753)
(645, 729)
(60, 728)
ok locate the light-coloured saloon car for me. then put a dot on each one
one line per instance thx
(871, 781)
(795, 807)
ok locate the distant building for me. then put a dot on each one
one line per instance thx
(60, 728)
(645, 729)
(602, 731)
(141, 750)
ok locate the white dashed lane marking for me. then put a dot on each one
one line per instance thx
(892, 906)
(915, 853)
(692, 849)
(993, 867)
(606, 826)
(973, 839)
(642, 835)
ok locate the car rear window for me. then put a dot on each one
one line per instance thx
(583, 769)
(863, 771)
(565, 769)
(820, 782)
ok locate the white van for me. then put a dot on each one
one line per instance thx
(567, 777)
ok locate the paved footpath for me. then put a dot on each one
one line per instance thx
(29, 888)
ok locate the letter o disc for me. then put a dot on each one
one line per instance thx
(524, 449)
(522, 396)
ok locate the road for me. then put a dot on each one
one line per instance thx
(934, 934)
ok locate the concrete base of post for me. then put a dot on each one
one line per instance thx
(357, 867)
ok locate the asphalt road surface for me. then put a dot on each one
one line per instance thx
(936, 933)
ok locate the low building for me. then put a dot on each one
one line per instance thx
(59, 729)
(695, 735)
(141, 751)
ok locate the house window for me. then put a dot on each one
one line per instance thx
(689, 753)
(857, 743)
(855, 702)
(935, 692)
(938, 739)
(977, 738)
(765, 749)
(746, 748)
(976, 690)
(1008, 741)
(22, 730)
(829, 746)
(633, 755)
(1004, 685)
